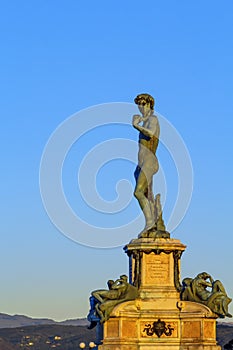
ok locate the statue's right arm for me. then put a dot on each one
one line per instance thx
(207, 284)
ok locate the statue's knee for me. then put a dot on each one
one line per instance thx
(138, 193)
(94, 295)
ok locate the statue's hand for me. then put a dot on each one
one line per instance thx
(137, 119)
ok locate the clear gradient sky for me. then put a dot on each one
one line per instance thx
(58, 58)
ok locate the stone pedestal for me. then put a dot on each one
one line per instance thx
(158, 319)
(155, 267)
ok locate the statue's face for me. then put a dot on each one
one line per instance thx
(144, 107)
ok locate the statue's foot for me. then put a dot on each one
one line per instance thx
(153, 232)
(92, 324)
(148, 229)
(102, 320)
(162, 234)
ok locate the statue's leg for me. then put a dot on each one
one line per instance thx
(93, 302)
(100, 313)
(136, 173)
(226, 301)
(92, 317)
(218, 287)
(140, 193)
(107, 307)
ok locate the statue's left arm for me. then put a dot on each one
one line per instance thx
(150, 131)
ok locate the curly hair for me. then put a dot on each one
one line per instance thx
(145, 97)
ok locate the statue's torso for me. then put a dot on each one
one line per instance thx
(147, 148)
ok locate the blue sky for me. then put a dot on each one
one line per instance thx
(61, 57)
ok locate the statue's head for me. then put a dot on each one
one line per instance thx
(110, 283)
(124, 278)
(143, 99)
(187, 282)
(203, 275)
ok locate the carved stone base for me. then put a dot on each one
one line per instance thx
(143, 325)
(158, 319)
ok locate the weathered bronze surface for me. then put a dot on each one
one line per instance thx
(103, 301)
(159, 328)
(148, 165)
(216, 298)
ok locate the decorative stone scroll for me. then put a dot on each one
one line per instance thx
(159, 328)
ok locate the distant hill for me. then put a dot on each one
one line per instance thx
(45, 337)
(74, 322)
(8, 321)
(224, 333)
